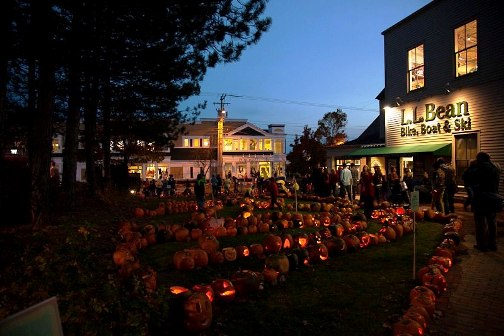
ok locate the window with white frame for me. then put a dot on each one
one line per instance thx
(416, 67)
(466, 49)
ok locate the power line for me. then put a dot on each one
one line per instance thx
(293, 102)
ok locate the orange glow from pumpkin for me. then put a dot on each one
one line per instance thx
(205, 289)
(178, 290)
(400, 211)
(286, 244)
(303, 241)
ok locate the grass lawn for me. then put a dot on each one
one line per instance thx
(357, 293)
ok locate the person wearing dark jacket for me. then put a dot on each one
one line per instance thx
(486, 179)
(468, 178)
(199, 191)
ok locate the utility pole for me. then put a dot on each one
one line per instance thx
(221, 115)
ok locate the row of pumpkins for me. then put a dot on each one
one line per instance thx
(337, 239)
(433, 284)
(281, 253)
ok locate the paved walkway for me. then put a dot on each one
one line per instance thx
(474, 302)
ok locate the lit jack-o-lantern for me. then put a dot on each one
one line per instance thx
(242, 251)
(179, 290)
(444, 263)
(229, 253)
(224, 289)
(378, 213)
(325, 221)
(301, 240)
(400, 211)
(317, 253)
(287, 241)
(205, 289)
(407, 326)
(197, 312)
(364, 238)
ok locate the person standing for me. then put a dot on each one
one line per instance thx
(273, 190)
(333, 182)
(450, 186)
(378, 180)
(438, 187)
(486, 180)
(346, 181)
(172, 185)
(468, 178)
(367, 190)
(199, 191)
(355, 179)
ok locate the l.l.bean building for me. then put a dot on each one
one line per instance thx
(444, 88)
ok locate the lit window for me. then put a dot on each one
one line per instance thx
(416, 68)
(206, 142)
(236, 145)
(243, 144)
(228, 144)
(55, 146)
(253, 144)
(278, 147)
(267, 144)
(196, 142)
(466, 49)
(186, 142)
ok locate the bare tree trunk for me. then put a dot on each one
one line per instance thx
(6, 7)
(40, 139)
(90, 135)
(73, 118)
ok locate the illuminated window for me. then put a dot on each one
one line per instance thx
(236, 145)
(260, 144)
(278, 147)
(196, 143)
(55, 145)
(416, 68)
(253, 144)
(186, 142)
(466, 49)
(206, 142)
(267, 144)
(228, 144)
(244, 144)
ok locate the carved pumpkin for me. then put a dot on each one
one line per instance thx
(270, 275)
(352, 242)
(224, 289)
(216, 257)
(245, 282)
(336, 246)
(445, 263)
(205, 289)
(208, 243)
(278, 262)
(200, 257)
(420, 310)
(272, 243)
(256, 250)
(418, 290)
(425, 301)
(229, 253)
(197, 312)
(179, 290)
(122, 255)
(407, 326)
(419, 318)
(242, 251)
(317, 253)
(364, 238)
(301, 240)
(287, 241)
(183, 261)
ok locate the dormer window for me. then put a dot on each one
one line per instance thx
(416, 68)
(466, 49)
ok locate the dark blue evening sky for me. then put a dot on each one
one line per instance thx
(319, 55)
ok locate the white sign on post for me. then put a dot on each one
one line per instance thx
(415, 200)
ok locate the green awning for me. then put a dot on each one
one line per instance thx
(436, 149)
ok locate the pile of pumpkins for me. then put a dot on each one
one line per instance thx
(432, 283)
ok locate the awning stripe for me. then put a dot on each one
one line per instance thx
(443, 149)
